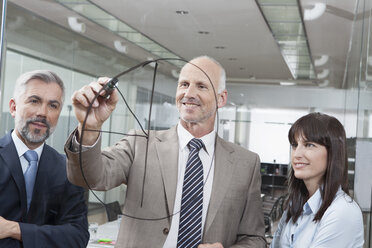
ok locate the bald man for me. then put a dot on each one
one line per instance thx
(226, 209)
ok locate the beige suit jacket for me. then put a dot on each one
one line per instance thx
(234, 215)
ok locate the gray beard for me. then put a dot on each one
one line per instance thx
(32, 137)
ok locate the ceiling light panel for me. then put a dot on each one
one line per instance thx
(297, 59)
(280, 1)
(294, 50)
(285, 21)
(95, 14)
(281, 13)
(287, 28)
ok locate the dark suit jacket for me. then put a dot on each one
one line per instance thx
(234, 215)
(57, 216)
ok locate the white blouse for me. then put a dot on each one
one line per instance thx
(341, 225)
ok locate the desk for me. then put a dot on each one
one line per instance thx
(108, 230)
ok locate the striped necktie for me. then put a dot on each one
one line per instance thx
(30, 174)
(190, 227)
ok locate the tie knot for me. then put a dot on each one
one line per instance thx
(196, 144)
(30, 155)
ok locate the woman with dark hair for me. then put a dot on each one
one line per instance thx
(319, 211)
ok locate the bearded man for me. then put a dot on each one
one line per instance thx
(39, 207)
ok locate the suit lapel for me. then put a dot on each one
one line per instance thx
(10, 158)
(167, 150)
(223, 171)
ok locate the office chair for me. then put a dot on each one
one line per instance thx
(112, 210)
(274, 214)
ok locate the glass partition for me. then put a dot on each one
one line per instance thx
(260, 108)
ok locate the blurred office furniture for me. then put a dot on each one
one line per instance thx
(107, 231)
(274, 214)
(113, 209)
(351, 148)
(273, 176)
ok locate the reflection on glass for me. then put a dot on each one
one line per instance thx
(104, 19)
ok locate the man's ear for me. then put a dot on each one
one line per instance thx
(222, 98)
(12, 107)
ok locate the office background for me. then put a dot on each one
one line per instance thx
(283, 59)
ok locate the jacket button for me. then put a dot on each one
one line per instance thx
(165, 231)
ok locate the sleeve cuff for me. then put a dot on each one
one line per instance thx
(75, 144)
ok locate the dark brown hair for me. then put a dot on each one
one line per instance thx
(329, 132)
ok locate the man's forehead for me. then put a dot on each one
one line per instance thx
(194, 75)
(202, 64)
(50, 91)
(202, 72)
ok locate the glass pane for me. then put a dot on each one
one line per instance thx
(258, 109)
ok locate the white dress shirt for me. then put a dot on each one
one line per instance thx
(340, 227)
(22, 148)
(206, 156)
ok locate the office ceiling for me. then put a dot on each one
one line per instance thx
(235, 33)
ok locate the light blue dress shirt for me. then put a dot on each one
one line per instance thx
(341, 225)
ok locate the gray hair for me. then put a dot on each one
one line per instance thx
(222, 83)
(43, 75)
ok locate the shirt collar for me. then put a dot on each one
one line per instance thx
(313, 204)
(184, 138)
(22, 148)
